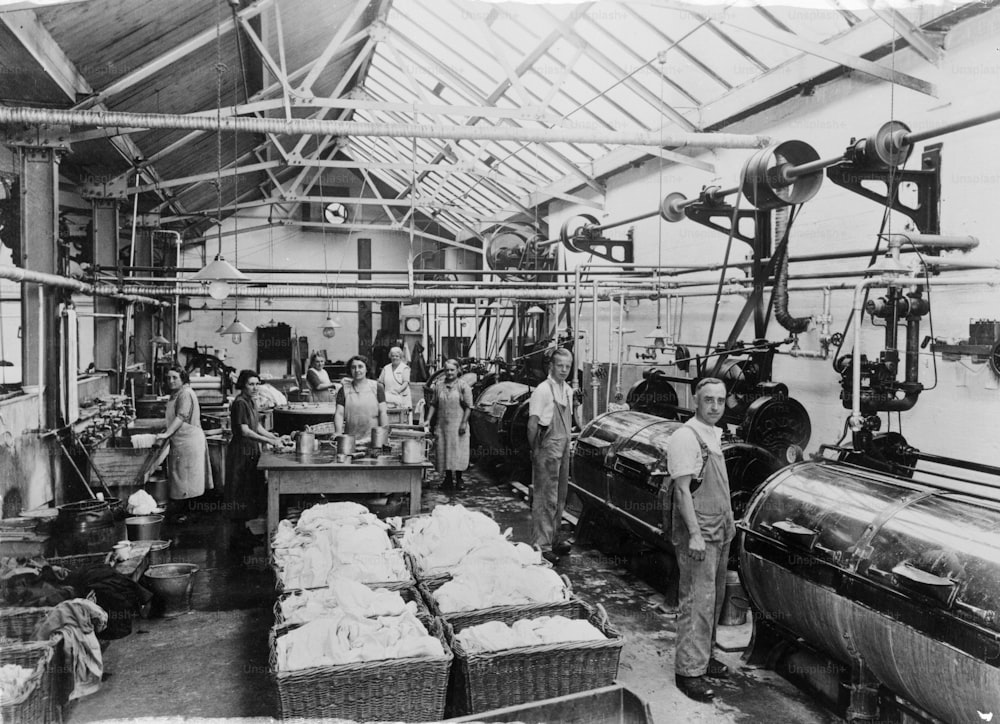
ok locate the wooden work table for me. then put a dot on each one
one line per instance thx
(294, 473)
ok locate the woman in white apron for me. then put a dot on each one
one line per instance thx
(450, 406)
(395, 377)
(360, 402)
(188, 467)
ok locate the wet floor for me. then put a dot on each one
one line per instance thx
(212, 662)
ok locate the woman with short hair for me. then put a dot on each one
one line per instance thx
(245, 494)
(360, 402)
(189, 469)
(450, 406)
(320, 386)
(395, 378)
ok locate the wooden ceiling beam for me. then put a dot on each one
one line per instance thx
(39, 43)
(170, 57)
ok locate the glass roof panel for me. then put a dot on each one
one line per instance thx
(561, 66)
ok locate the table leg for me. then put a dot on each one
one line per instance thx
(415, 492)
(273, 482)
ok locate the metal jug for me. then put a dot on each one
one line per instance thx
(380, 436)
(306, 443)
(414, 450)
(345, 444)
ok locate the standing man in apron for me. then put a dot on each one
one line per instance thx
(701, 531)
(550, 419)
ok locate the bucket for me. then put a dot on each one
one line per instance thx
(144, 527)
(159, 552)
(172, 585)
(734, 603)
(86, 526)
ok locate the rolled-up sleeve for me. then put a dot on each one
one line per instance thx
(540, 404)
(683, 454)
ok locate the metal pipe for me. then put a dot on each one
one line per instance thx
(41, 357)
(932, 241)
(917, 136)
(595, 384)
(380, 293)
(856, 420)
(315, 127)
(17, 274)
(575, 324)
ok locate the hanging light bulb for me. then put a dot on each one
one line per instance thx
(330, 327)
(160, 340)
(658, 336)
(236, 330)
(219, 289)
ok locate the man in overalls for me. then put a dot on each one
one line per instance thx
(701, 531)
(550, 419)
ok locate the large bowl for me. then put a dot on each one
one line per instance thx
(144, 527)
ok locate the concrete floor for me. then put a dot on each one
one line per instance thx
(212, 662)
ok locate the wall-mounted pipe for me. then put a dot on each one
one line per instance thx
(315, 127)
(17, 274)
(891, 280)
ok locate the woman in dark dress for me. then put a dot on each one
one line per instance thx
(245, 495)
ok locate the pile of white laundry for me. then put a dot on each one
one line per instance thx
(334, 540)
(346, 596)
(497, 636)
(342, 638)
(453, 536)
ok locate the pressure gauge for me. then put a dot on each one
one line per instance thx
(412, 324)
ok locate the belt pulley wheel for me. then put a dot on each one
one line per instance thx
(763, 184)
(671, 209)
(567, 238)
(886, 147)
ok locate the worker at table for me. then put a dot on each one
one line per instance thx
(245, 493)
(361, 402)
(319, 381)
(395, 377)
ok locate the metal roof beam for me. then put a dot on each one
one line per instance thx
(335, 44)
(865, 38)
(912, 34)
(201, 177)
(829, 51)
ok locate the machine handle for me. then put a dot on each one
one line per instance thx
(980, 614)
(794, 533)
(936, 587)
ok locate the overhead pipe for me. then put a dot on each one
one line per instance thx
(389, 294)
(17, 274)
(316, 127)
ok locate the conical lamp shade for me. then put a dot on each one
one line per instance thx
(160, 339)
(220, 270)
(656, 333)
(330, 327)
(237, 327)
(535, 309)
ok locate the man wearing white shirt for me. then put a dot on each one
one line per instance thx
(550, 420)
(701, 531)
